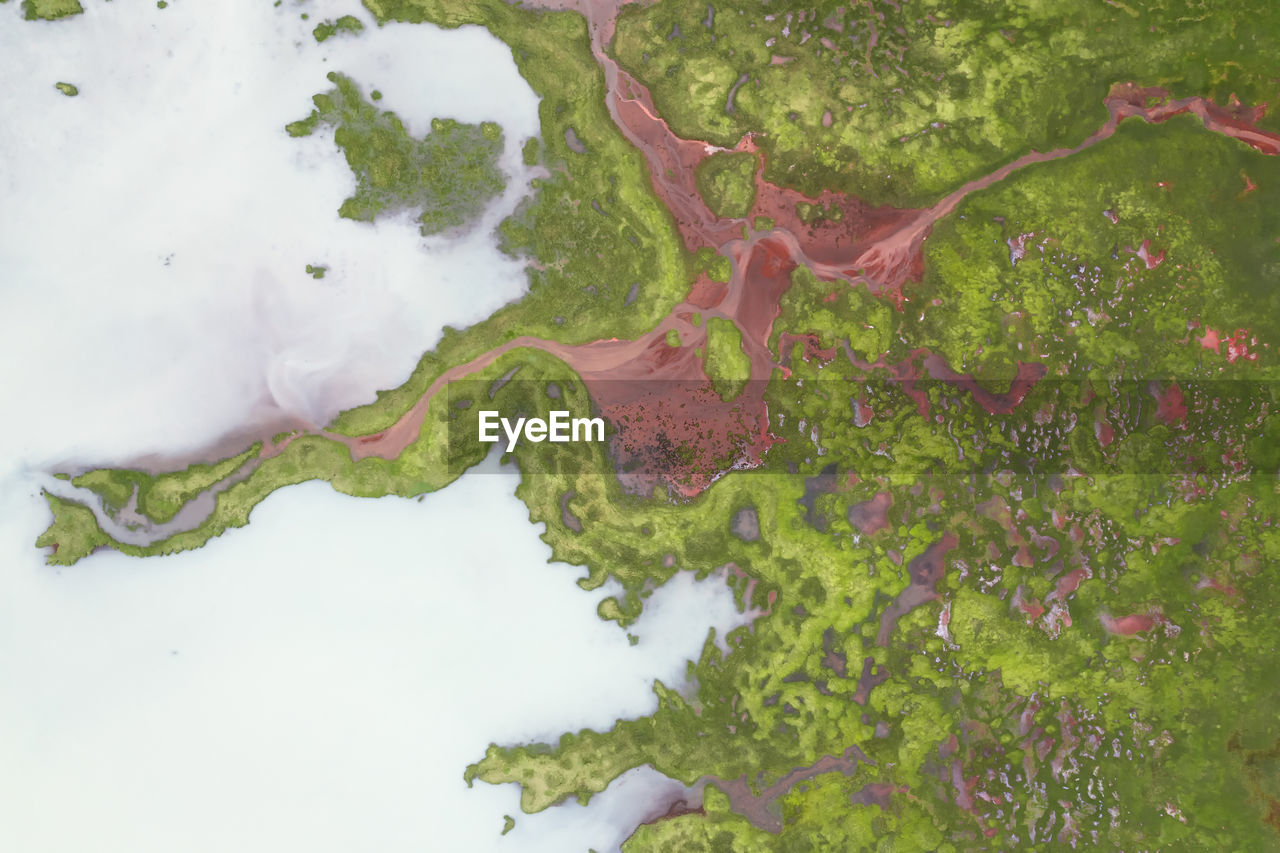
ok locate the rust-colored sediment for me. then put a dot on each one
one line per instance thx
(688, 436)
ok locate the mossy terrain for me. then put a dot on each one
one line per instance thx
(726, 182)
(1021, 616)
(1082, 299)
(346, 25)
(160, 496)
(727, 365)
(50, 10)
(615, 272)
(1141, 740)
(712, 264)
(1061, 729)
(68, 89)
(899, 103)
(447, 177)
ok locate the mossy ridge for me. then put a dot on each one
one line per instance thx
(715, 266)
(788, 705)
(167, 493)
(646, 539)
(346, 25)
(447, 177)
(950, 91)
(727, 364)
(113, 485)
(50, 10)
(585, 264)
(1081, 299)
(838, 313)
(160, 496)
(74, 533)
(726, 182)
(719, 830)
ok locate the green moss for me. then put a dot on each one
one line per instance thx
(529, 152)
(113, 486)
(717, 831)
(317, 271)
(68, 89)
(726, 182)
(1081, 298)
(713, 264)
(615, 275)
(727, 364)
(50, 10)
(673, 338)
(1177, 723)
(74, 533)
(347, 24)
(811, 214)
(166, 494)
(949, 91)
(762, 223)
(447, 177)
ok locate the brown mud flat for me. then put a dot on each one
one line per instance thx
(926, 570)
(870, 517)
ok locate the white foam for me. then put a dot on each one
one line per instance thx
(318, 680)
(162, 220)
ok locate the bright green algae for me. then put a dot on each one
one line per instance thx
(447, 177)
(899, 103)
(1165, 740)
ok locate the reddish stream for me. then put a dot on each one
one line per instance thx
(879, 248)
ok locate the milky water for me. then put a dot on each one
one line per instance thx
(163, 219)
(320, 679)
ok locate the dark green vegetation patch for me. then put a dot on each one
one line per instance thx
(1035, 268)
(50, 10)
(726, 364)
(899, 103)
(726, 182)
(347, 24)
(979, 623)
(448, 176)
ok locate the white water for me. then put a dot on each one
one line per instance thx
(162, 220)
(320, 679)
